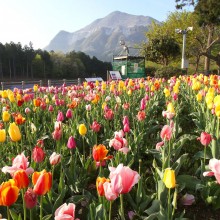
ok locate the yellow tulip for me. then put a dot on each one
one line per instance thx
(4, 94)
(103, 85)
(35, 87)
(82, 129)
(169, 178)
(166, 92)
(129, 92)
(14, 132)
(5, 116)
(11, 97)
(2, 135)
(199, 97)
(170, 108)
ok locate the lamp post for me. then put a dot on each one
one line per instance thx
(185, 62)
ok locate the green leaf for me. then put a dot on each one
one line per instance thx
(155, 207)
(13, 215)
(177, 165)
(47, 217)
(59, 200)
(189, 181)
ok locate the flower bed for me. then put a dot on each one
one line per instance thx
(133, 149)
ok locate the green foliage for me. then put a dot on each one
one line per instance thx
(168, 71)
(25, 62)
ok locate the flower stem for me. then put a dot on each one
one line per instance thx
(110, 211)
(204, 159)
(41, 207)
(31, 214)
(122, 207)
(24, 206)
(8, 213)
(168, 204)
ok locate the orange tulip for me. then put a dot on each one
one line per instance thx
(99, 153)
(19, 119)
(99, 185)
(42, 182)
(21, 179)
(8, 193)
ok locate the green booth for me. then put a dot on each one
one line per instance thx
(129, 66)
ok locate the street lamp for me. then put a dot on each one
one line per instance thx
(185, 62)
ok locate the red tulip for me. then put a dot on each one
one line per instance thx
(38, 154)
(21, 179)
(30, 198)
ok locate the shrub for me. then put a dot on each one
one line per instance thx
(168, 71)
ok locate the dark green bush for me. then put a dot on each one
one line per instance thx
(150, 71)
(168, 71)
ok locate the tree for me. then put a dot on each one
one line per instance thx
(162, 49)
(208, 12)
(175, 20)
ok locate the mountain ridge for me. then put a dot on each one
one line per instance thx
(101, 37)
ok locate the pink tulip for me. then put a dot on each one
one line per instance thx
(50, 108)
(71, 144)
(66, 212)
(143, 104)
(69, 113)
(126, 128)
(95, 126)
(123, 178)
(205, 138)
(159, 145)
(55, 158)
(60, 116)
(20, 162)
(27, 110)
(187, 199)
(166, 133)
(110, 195)
(109, 115)
(214, 166)
(125, 120)
(118, 143)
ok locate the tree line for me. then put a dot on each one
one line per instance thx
(163, 45)
(23, 62)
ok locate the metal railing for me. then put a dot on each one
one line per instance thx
(29, 84)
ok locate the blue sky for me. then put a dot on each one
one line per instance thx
(39, 21)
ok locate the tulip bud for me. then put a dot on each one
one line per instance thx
(60, 116)
(69, 113)
(71, 144)
(2, 135)
(38, 154)
(169, 178)
(5, 116)
(82, 129)
(14, 132)
(30, 198)
(55, 158)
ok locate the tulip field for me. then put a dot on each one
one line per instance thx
(133, 149)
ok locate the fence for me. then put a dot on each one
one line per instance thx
(29, 84)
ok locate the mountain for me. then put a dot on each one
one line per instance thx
(101, 38)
